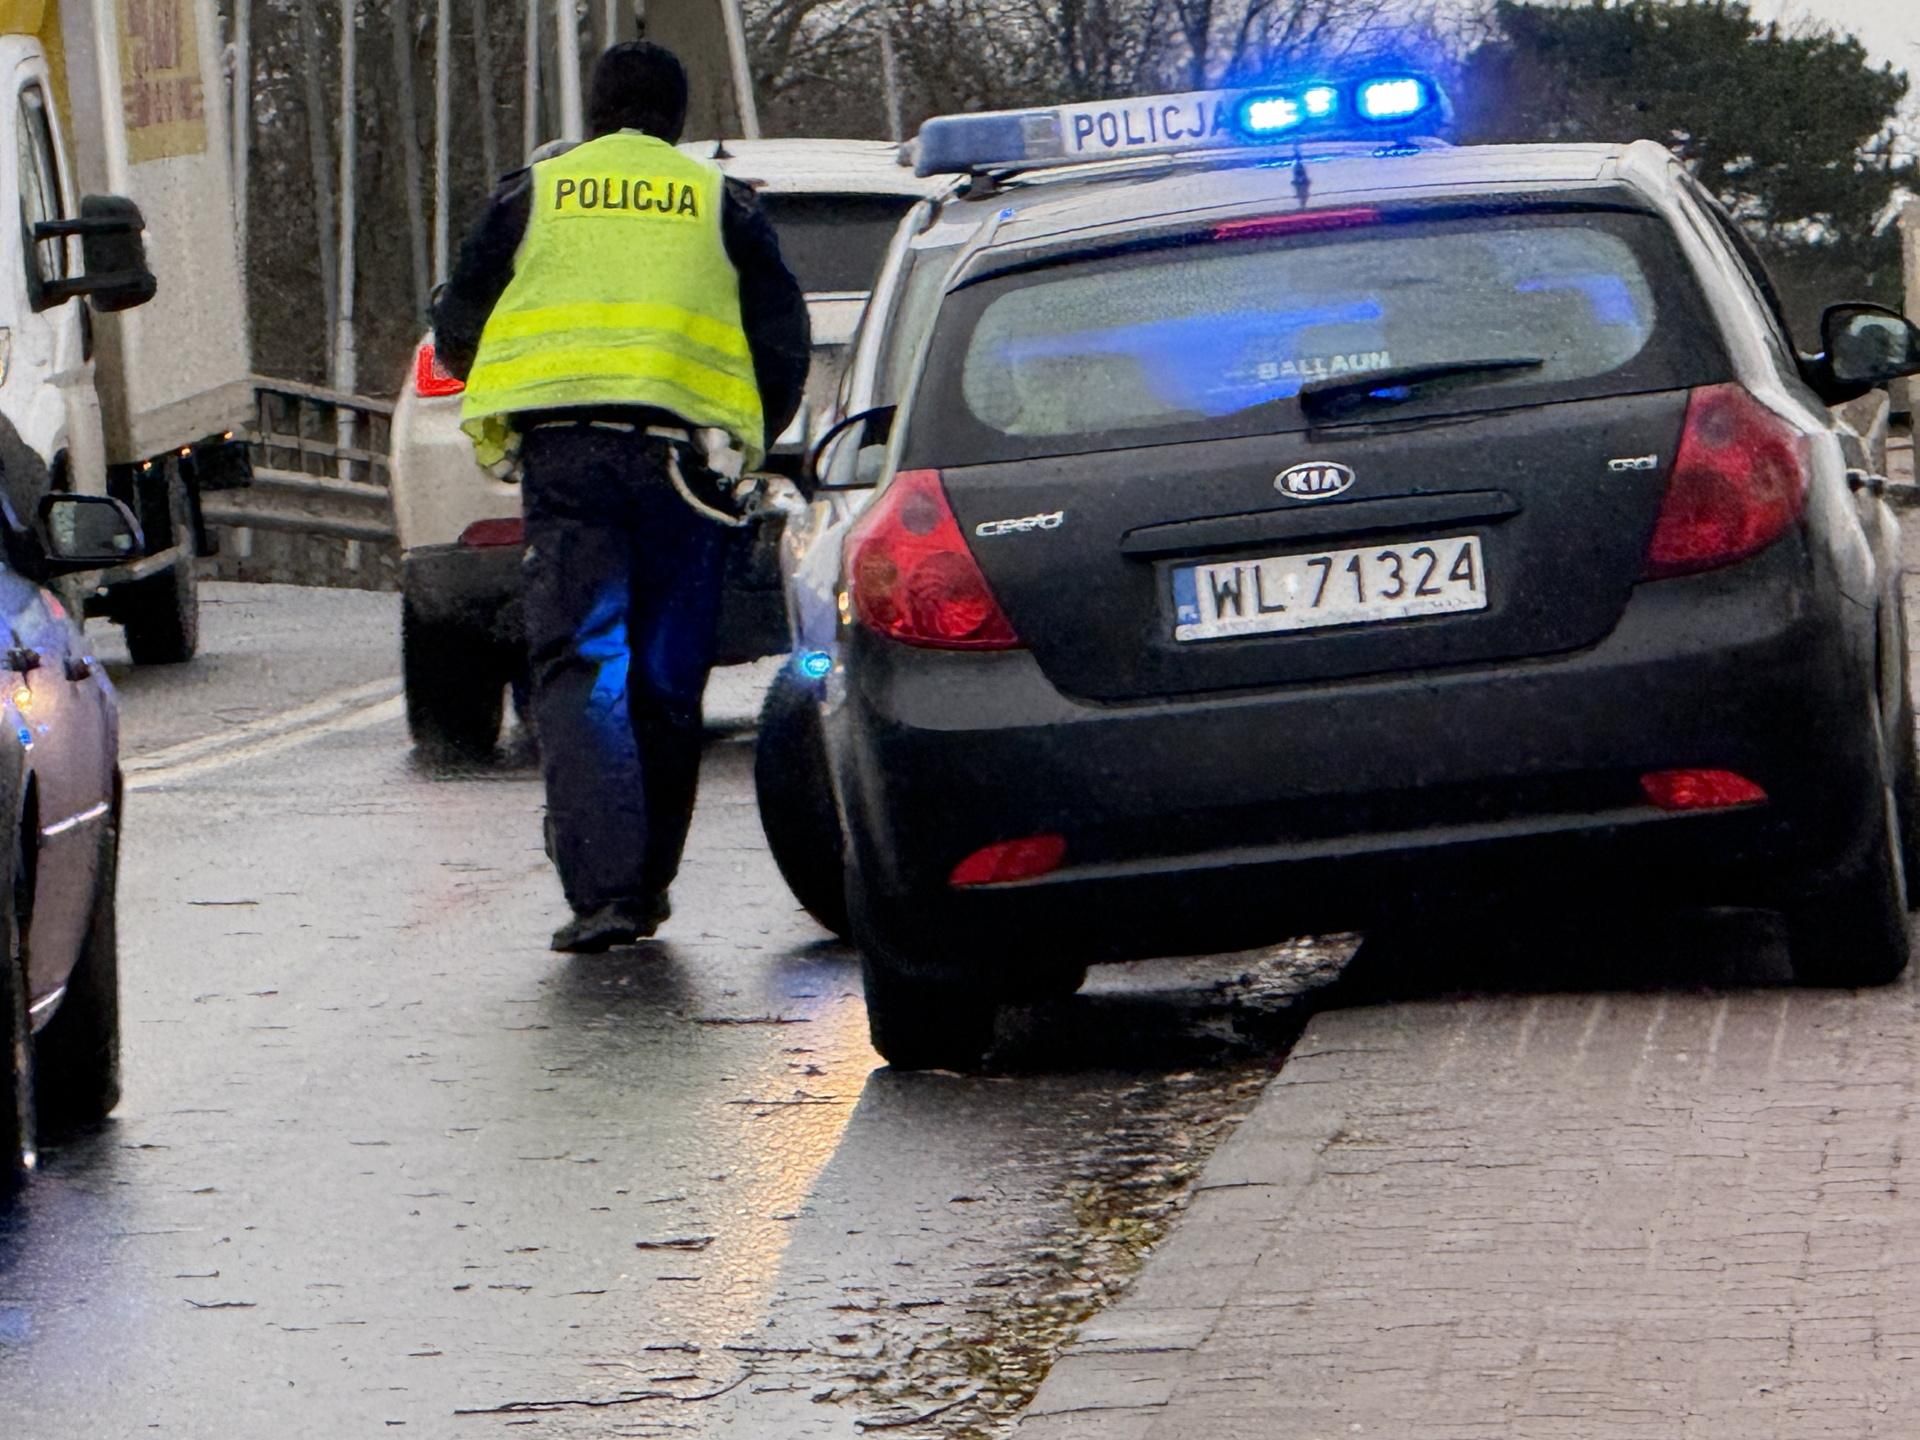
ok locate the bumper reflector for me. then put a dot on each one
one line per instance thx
(1700, 790)
(1010, 860)
(509, 530)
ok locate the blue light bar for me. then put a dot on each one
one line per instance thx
(1358, 109)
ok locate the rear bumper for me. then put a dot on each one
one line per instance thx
(1223, 821)
(474, 589)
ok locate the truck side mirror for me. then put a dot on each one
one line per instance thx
(117, 277)
(87, 532)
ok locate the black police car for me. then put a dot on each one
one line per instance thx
(1275, 541)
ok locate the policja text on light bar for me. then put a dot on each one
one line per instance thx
(1395, 106)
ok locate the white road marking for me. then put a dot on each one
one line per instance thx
(359, 708)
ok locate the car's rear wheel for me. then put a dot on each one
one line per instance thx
(455, 688)
(1906, 791)
(1853, 932)
(162, 612)
(795, 797)
(916, 1020)
(17, 1145)
(77, 1053)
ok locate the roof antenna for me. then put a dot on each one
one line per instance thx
(720, 151)
(1302, 182)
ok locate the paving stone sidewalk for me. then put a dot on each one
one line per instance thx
(1673, 1214)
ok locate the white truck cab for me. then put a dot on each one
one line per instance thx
(118, 152)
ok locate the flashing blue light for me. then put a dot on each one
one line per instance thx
(814, 664)
(1270, 114)
(1321, 101)
(1398, 98)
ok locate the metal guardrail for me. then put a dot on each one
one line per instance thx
(319, 466)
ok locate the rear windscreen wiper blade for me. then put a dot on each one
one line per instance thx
(1390, 386)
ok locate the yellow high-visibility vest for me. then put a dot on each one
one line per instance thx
(622, 294)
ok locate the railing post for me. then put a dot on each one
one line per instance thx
(1903, 390)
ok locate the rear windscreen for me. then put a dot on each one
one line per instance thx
(1218, 337)
(835, 242)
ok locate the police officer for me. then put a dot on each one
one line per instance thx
(629, 333)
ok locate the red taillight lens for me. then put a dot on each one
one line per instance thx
(511, 530)
(429, 378)
(1010, 860)
(1700, 790)
(912, 576)
(1739, 483)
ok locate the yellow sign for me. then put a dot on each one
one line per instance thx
(160, 88)
(21, 17)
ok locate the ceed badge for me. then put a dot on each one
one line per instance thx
(1315, 480)
(1053, 520)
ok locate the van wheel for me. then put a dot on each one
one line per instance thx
(455, 691)
(77, 1054)
(162, 612)
(18, 1152)
(795, 796)
(917, 1023)
(1854, 932)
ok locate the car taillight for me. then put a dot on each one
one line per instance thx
(508, 530)
(912, 576)
(430, 378)
(1739, 483)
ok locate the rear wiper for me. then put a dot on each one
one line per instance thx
(1392, 386)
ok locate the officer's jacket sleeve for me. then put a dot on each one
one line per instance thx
(772, 307)
(481, 273)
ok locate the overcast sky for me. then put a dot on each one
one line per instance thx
(1890, 29)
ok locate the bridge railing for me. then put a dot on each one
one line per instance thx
(319, 511)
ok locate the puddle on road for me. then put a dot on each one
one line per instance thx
(967, 1226)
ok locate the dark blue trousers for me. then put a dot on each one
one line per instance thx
(622, 594)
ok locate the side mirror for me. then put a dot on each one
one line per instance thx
(1866, 346)
(824, 475)
(117, 277)
(87, 532)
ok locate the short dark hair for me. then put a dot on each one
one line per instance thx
(638, 85)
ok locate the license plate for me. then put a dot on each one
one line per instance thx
(1330, 587)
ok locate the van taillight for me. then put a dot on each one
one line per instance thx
(912, 577)
(430, 378)
(1739, 483)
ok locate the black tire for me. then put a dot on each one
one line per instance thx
(1854, 931)
(1906, 793)
(455, 687)
(76, 1055)
(18, 1151)
(161, 614)
(795, 796)
(917, 1022)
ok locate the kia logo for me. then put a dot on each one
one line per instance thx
(1315, 480)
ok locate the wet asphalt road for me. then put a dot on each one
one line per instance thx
(384, 1163)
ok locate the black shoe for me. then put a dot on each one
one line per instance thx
(621, 923)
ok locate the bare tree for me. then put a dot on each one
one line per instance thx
(400, 24)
